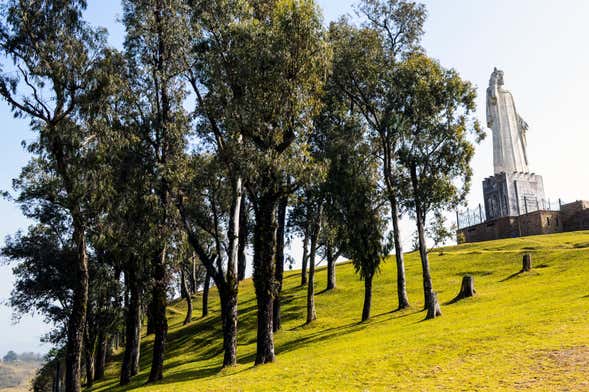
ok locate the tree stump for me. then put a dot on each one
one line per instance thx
(527, 263)
(466, 288)
(433, 309)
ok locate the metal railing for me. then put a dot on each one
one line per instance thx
(474, 216)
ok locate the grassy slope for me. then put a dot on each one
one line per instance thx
(18, 376)
(521, 331)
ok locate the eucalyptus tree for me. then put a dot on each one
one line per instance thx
(264, 65)
(206, 203)
(157, 36)
(438, 146)
(356, 203)
(365, 63)
(54, 58)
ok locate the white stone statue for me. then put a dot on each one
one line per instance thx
(509, 129)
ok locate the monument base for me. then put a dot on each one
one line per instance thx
(513, 194)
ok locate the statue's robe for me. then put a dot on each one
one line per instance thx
(509, 139)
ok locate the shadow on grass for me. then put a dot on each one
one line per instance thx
(514, 275)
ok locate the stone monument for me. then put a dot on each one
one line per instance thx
(513, 190)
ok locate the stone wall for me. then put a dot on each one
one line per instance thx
(571, 217)
(534, 223)
(575, 216)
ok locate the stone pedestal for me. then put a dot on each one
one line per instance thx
(513, 194)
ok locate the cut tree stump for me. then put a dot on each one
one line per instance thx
(433, 310)
(466, 288)
(527, 263)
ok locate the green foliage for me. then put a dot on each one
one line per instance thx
(438, 229)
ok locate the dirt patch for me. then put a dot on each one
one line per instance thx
(561, 370)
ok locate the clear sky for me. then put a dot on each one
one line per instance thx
(539, 44)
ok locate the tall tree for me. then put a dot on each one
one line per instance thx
(155, 43)
(209, 206)
(356, 203)
(438, 145)
(55, 56)
(265, 65)
(365, 63)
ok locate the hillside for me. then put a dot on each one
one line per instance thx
(17, 377)
(521, 331)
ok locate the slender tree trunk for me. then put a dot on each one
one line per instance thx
(89, 354)
(100, 358)
(420, 218)
(89, 349)
(402, 297)
(367, 297)
(331, 258)
(243, 230)
(231, 287)
(264, 275)
(130, 365)
(282, 205)
(305, 257)
(205, 295)
(160, 321)
(77, 319)
(57, 377)
(192, 278)
(186, 294)
(150, 329)
(311, 313)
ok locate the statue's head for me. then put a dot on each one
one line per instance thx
(496, 78)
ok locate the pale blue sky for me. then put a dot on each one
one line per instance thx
(540, 44)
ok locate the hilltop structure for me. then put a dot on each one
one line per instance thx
(515, 204)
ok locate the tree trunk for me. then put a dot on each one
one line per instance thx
(305, 257)
(205, 295)
(89, 354)
(282, 205)
(331, 258)
(311, 313)
(229, 318)
(388, 168)
(150, 329)
(402, 297)
(264, 275)
(466, 288)
(231, 287)
(57, 377)
(186, 295)
(420, 219)
(243, 230)
(130, 365)
(433, 309)
(367, 297)
(100, 358)
(527, 263)
(192, 276)
(159, 315)
(77, 319)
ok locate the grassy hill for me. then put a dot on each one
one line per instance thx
(521, 331)
(16, 377)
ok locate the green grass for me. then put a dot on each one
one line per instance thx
(521, 331)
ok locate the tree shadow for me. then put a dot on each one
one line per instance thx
(514, 275)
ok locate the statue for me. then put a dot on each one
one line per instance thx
(509, 129)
